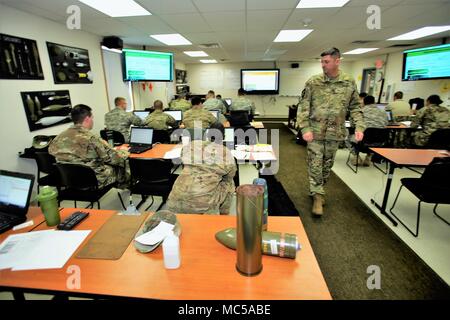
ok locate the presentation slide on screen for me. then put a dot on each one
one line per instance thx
(431, 63)
(260, 80)
(148, 66)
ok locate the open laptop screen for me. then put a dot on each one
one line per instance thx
(389, 115)
(228, 100)
(141, 135)
(229, 135)
(15, 192)
(176, 114)
(142, 114)
(215, 113)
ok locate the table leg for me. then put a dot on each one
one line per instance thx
(383, 206)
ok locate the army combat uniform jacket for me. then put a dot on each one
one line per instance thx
(431, 118)
(120, 120)
(214, 104)
(79, 146)
(200, 116)
(243, 103)
(323, 106)
(181, 104)
(374, 117)
(159, 120)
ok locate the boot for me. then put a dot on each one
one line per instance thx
(367, 160)
(317, 208)
(353, 160)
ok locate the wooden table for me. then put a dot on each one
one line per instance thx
(207, 268)
(403, 158)
(157, 152)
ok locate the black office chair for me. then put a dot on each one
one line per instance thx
(151, 177)
(373, 138)
(117, 136)
(46, 164)
(440, 139)
(432, 187)
(161, 136)
(419, 102)
(239, 118)
(79, 183)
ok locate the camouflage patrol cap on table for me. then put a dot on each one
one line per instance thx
(41, 141)
(151, 223)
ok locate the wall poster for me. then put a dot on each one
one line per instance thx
(46, 109)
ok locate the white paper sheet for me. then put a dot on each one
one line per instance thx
(156, 235)
(173, 154)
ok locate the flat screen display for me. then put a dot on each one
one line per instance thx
(141, 65)
(260, 81)
(426, 63)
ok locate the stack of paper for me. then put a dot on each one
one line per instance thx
(174, 153)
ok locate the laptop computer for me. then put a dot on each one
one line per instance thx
(390, 118)
(141, 139)
(177, 115)
(15, 192)
(141, 114)
(215, 113)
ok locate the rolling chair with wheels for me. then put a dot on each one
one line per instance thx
(117, 137)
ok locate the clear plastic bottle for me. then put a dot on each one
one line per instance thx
(171, 251)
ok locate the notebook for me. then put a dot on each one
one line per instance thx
(141, 139)
(15, 192)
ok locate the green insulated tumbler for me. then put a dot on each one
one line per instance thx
(48, 201)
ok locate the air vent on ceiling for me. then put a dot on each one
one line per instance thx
(402, 45)
(209, 45)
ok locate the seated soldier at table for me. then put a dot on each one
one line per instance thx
(198, 116)
(206, 183)
(159, 120)
(120, 120)
(243, 103)
(180, 103)
(400, 109)
(432, 117)
(79, 146)
(211, 103)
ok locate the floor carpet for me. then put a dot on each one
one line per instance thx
(349, 241)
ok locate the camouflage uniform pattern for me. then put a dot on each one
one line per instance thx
(159, 120)
(243, 103)
(431, 118)
(374, 117)
(400, 109)
(206, 183)
(79, 146)
(322, 110)
(214, 104)
(120, 120)
(180, 104)
(199, 115)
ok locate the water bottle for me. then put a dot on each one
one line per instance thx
(171, 251)
(48, 202)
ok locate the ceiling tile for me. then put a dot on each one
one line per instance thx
(267, 20)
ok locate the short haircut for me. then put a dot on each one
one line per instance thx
(334, 52)
(117, 100)
(195, 101)
(369, 100)
(398, 95)
(363, 94)
(241, 92)
(211, 92)
(80, 112)
(157, 104)
(219, 96)
(434, 99)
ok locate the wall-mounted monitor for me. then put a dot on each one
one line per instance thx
(426, 63)
(140, 65)
(260, 81)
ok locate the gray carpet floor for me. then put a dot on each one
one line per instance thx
(349, 238)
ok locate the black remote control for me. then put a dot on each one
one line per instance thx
(74, 219)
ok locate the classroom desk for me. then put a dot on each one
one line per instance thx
(157, 152)
(402, 158)
(207, 268)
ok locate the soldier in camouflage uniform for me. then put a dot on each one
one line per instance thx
(180, 104)
(322, 109)
(120, 120)
(159, 120)
(78, 145)
(432, 117)
(198, 115)
(206, 183)
(212, 103)
(243, 103)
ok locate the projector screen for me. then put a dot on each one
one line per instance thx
(426, 63)
(140, 65)
(260, 81)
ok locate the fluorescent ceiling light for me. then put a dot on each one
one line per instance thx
(110, 49)
(208, 61)
(360, 50)
(174, 39)
(292, 35)
(196, 53)
(117, 8)
(321, 3)
(420, 33)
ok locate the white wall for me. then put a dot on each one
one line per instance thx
(13, 123)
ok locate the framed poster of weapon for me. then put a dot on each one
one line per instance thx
(46, 109)
(19, 58)
(69, 64)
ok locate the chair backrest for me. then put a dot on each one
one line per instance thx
(419, 102)
(77, 176)
(239, 118)
(437, 174)
(45, 162)
(439, 139)
(117, 136)
(375, 137)
(150, 170)
(161, 136)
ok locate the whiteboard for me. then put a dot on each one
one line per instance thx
(292, 81)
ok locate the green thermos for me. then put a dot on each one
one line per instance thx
(48, 201)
